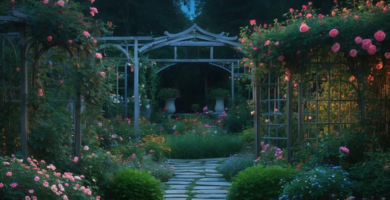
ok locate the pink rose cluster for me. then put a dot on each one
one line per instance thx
(344, 149)
(368, 46)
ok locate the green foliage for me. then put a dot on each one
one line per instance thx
(260, 183)
(248, 135)
(195, 107)
(318, 183)
(372, 176)
(167, 93)
(234, 164)
(159, 170)
(219, 93)
(238, 116)
(207, 145)
(133, 184)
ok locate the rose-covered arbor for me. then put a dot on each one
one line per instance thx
(318, 76)
(60, 28)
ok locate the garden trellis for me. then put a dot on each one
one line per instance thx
(333, 70)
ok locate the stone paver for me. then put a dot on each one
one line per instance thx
(196, 178)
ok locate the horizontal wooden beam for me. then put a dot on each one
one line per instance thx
(193, 60)
(126, 38)
(197, 44)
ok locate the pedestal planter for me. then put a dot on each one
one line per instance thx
(219, 105)
(170, 106)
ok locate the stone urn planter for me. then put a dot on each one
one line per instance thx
(170, 106)
(219, 104)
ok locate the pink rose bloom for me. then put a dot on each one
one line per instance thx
(61, 187)
(356, 17)
(277, 43)
(94, 40)
(86, 148)
(45, 184)
(239, 48)
(281, 57)
(108, 153)
(309, 15)
(371, 49)
(86, 34)
(13, 185)
(336, 47)
(70, 42)
(366, 43)
(47, 175)
(304, 7)
(103, 74)
(255, 48)
(54, 188)
(98, 55)
(93, 9)
(8, 174)
(49, 38)
(320, 16)
(31, 191)
(88, 191)
(1, 185)
(303, 28)
(75, 159)
(358, 40)
(353, 53)
(333, 33)
(45, 1)
(252, 22)
(291, 10)
(267, 43)
(60, 3)
(97, 197)
(380, 36)
(344, 149)
(387, 55)
(36, 178)
(300, 14)
(64, 197)
(27, 198)
(7, 163)
(35, 198)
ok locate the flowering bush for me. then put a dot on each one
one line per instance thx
(234, 164)
(167, 93)
(39, 180)
(318, 183)
(260, 183)
(219, 93)
(372, 176)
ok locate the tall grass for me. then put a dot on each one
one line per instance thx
(208, 145)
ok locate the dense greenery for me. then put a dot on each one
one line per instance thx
(134, 184)
(260, 183)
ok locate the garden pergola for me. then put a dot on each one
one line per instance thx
(191, 37)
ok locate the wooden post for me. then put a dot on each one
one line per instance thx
(136, 83)
(23, 93)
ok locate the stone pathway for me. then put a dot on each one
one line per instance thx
(196, 179)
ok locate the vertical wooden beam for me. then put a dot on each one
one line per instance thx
(257, 115)
(23, 93)
(136, 83)
(300, 111)
(289, 119)
(232, 79)
(125, 95)
(211, 52)
(175, 52)
(77, 126)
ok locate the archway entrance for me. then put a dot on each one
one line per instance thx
(180, 44)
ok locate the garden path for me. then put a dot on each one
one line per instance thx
(197, 179)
